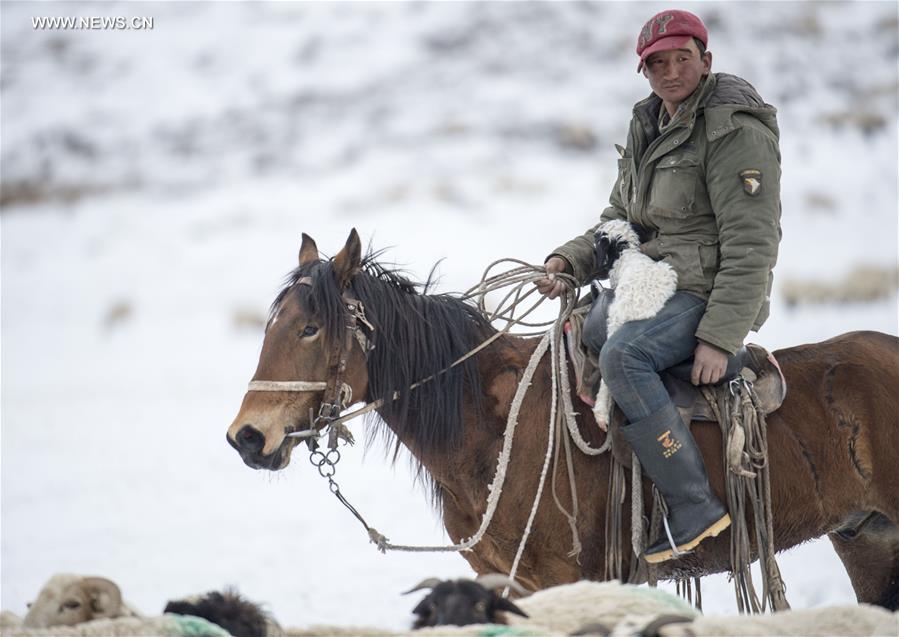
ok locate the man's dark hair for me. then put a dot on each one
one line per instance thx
(700, 46)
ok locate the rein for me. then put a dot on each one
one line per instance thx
(332, 404)
(508, 310)
(741, 419)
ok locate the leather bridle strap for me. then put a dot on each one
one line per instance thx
(335, 399)
(285, 385)
(337, 394)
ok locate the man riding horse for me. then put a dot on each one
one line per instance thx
(701, 175)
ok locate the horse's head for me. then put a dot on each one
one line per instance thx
(312, 357)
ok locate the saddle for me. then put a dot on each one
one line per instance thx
(752, 363)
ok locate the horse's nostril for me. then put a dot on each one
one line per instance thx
(250, 439)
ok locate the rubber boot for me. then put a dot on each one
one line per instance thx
(670, 457)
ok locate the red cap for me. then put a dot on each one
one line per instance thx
(668, 30)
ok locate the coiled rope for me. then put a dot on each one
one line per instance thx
(517, 284)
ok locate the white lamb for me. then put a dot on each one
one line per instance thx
(642, 287)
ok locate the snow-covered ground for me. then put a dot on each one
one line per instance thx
(155, 185)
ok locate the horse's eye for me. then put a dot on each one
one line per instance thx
(310, 330)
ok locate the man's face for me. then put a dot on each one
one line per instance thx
(675, 74)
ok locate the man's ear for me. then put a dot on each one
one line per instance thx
(348, 261)
(308, 250)
(707, 63)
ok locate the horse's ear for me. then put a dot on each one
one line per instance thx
(308, 250)
(348, 261)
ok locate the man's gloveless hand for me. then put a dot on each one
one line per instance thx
(709, 364)
(549, 285)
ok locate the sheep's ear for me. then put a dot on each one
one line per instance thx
(348, 261)
(308, 250)
(643, 234)
(104, 595)
(606, 254)
(423, 607)
(424, 614)
(504, 604)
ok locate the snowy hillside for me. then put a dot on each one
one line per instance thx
(154, 187)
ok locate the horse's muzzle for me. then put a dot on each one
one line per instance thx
(249, 443)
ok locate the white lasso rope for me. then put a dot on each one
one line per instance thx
(546, 462)
(520, 277)
(496, 486)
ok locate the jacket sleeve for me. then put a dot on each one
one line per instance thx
(580, 251)
(748, 230)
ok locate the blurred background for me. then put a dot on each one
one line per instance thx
(155, 183)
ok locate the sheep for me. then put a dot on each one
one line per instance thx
(847, 621)
(70, 604)
(621, 610)
(642, 287)
(556, 610)
(239, 616)
(566, 608)
(462, 602)
(68, 599)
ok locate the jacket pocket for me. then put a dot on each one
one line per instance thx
(696, 262)
(673, 190)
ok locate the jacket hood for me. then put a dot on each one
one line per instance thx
(726, 95)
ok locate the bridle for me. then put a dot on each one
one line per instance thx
(338, 394)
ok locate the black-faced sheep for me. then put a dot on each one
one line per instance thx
(462, 602)
(556, 610)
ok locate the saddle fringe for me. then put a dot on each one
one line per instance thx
(741, 417)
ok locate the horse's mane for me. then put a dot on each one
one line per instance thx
(416, 334)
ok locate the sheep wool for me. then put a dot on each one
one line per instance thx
(847, 621)
(163, 626)
(564, 609)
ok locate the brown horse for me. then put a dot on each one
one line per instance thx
(834, 444)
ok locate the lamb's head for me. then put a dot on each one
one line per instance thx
(462, 602)
(611, 239)
(66, 600)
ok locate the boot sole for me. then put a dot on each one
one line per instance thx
(712, 531)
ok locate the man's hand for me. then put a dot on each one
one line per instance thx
(549, 285)
(709, 364)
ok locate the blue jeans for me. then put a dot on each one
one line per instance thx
(632, 358)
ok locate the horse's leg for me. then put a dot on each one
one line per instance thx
(871, 557)
(861, 400)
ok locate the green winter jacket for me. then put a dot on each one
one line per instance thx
(708, 188)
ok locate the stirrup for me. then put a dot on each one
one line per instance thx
(674, 552)
(664, 507)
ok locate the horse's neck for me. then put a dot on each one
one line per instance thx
(500, 367)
